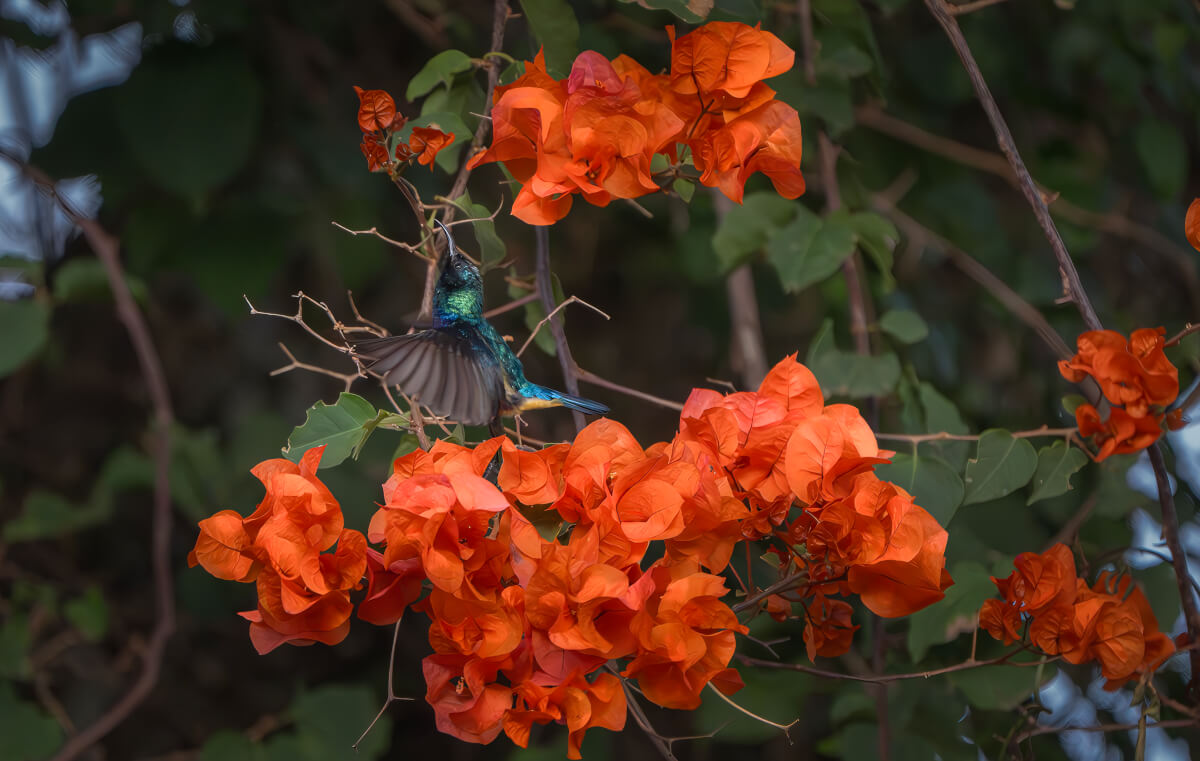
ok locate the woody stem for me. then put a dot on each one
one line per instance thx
(1170, 525)
(545, 289)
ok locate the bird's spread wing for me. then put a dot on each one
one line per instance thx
(440, 369)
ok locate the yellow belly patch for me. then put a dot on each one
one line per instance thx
(538, 404)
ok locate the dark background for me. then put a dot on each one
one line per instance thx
(224, 160)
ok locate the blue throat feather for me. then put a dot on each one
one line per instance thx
(461, 368)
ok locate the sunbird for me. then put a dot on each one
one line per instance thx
(461, 368)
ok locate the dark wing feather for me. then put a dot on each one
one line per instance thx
(440, 369)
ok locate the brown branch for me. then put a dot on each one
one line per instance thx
(1109, 222)
(107, 249)
(391, 692)
(1049, 730)
(500, 15)
(596, 380)
(1073, 286)
(516, 304)
(294, 364)
(917, 438)
(1170, 530)
(797, 579)
(550, 316)
(1011, 300)
(1187, 331)
(888, 678)
(545, 290)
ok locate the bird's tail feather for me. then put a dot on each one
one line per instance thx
(586, 406)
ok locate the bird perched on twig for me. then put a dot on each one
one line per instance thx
(461, 368)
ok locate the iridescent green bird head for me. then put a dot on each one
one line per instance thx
(458, 295)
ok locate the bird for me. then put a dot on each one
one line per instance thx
(461, 368)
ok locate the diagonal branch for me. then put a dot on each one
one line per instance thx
(1071, 282)
(106, 248)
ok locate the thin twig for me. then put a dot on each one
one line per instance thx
(640, 718)
(888, 678)
(516, 304)
(917, 438)
(390, 241)
(1073, 286)
(781, 727)
(596, 380)
(1050, 730)
(1187, 331)
(391, 693)
(545, 289)
(106, 248)
(799, 578)
(347, 379)
(556, 310)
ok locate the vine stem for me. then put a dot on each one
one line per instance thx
(107, 250)
(1170, 529)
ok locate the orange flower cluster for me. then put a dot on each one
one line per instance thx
(303, 590)
(379, 120)
(1135, 376)
(596, 132)
(539, 581)
(768, 452)
(1110, 622)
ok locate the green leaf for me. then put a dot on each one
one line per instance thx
(1002, 465)
(904, 325)
(88, 614)
(1000, 688)
(15, 642)
(557, 31)
(86, 280)
(330, 719)
(437, 70)
(1055, 466)
(844, 373)
(955, 614)
(342, 428)
(409, 443)
(940, 415)
(1072, 402)
(227, 745)
(877, 236)
(46, 514)
(548, 522)
(1164, 155)
(24, 328)
(491, 246)
(934, 485)
(190, 117)
(685, 188)
(29, 734)
(809, 249)
(744, 229)
(689, 11)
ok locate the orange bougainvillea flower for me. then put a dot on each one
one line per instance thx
(379, 121)
(376, 109)
(1134, 373)
(1191, 224)
(1110, 623)
(1121, 433)
(828, 630)
(303, 588)
(726, 57)
(426, 142)
(596, 132)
